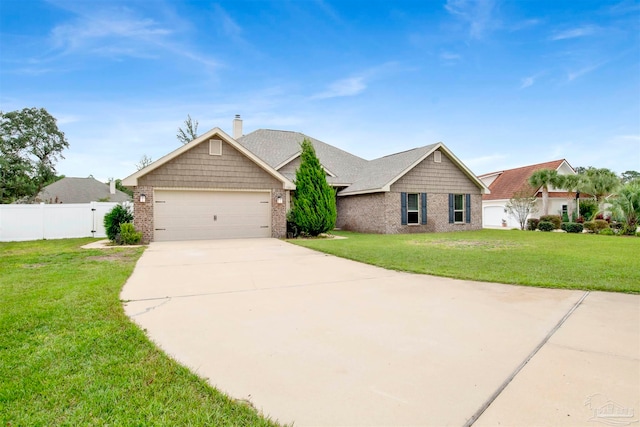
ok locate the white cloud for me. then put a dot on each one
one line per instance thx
(345, 87)
(573, 33)
(478, 14)
(529, 80)
(450, 57)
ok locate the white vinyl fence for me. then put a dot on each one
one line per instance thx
(45, 221)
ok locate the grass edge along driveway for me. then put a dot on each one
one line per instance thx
(553, 260)
(70, 355)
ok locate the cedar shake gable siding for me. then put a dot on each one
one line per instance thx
(380, 212)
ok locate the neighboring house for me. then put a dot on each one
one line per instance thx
(504, 185)
(80, 190)
(217, 186)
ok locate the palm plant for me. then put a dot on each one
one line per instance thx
(626, 206)
(543, 179)
(600, 183)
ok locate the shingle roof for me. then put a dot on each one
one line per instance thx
(278, 147)
(511, 181)
(380, 172)
(79, 190)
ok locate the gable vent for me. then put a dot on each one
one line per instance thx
(437, 157)
(215, 147)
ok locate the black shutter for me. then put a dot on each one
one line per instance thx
(451, 208)
(467, 209)
(423, 213)
(403, 208)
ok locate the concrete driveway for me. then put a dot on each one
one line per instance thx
(312, 339)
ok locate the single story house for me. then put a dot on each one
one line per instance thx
(505, 184)
(218, 186)
(80, 190)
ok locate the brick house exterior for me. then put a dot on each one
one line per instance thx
(217, 186)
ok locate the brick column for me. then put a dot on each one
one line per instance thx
(143, 212)
(279, 213)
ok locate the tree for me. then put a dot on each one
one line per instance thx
(144, 162)
(30, 146)
(544, 178)
(626, 206)
(314, 204)
(190, 132)
(600, 183)
(629, 176)
(521, 205)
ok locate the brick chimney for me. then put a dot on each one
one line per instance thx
(237, 127)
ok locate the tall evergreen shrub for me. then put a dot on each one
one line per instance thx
(314, 204)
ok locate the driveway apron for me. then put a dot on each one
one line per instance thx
(313, 339)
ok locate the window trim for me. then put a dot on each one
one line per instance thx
(215, 147)
(416, 210)
(460, 211)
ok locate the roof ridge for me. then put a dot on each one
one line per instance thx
(524, 167)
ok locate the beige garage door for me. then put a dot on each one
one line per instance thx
(198, 215)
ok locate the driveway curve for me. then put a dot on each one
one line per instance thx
(313, 339)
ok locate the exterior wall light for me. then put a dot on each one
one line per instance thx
(143, 198)
(279, 199)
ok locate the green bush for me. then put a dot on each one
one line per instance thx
(546, 226)
(565, 217)
(532, 223)
(112, 220)
(601, 224)
(573, 227)
(607, 232)
(556, 220)
(129, 235)
(588, 208)
(590, 226)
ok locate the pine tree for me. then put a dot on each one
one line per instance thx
(314, 204)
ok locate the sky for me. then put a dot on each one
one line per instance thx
(502, 84)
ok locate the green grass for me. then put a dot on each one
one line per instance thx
(70, 356)
(555, 260)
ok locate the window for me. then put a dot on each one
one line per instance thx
(437, 157)
(565, 209)
(412, 208)
(458, 208)
(215, 147)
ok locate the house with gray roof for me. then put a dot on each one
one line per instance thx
(80, 190)
(219, 186)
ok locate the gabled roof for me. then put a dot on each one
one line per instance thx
(132, 180)
(380, 174)
(279, 148)
(79, 190)
(511, 181)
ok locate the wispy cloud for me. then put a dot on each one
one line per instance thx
(228, 25)
(356, 84)
(529, 80)
(478, 14)
(572, 75)
(573, 33)
(450, 57)
(345, 87)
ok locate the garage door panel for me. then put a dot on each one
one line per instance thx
(195, 215)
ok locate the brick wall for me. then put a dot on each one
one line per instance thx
(380, 213)
(143, 212)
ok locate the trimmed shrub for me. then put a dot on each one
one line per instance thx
(565, 217)
(601, 224)
(607, 232)
(573, 227)
(532, 223)
(580, 220)
(563, 226)
(556, 220)
(546, 226)
(129, 235)
(112, 220)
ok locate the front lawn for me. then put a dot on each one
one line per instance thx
(556, 260)
(70, 356)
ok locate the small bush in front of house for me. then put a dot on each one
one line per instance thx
(532, 223)
(546, 226)
(129, 235)
(590, 226)
(601, 224)
(607, 232)
(112, 220)
(565, 217)
(556, 220)
(572, 227)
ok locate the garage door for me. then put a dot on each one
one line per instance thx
(198, 215)
(492, 216)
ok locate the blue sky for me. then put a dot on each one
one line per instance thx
(502, 83)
